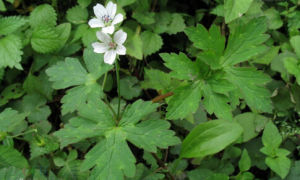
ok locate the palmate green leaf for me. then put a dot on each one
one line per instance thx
(77, 15)
(251, 84)
(216, 103)
(94, 119)
(235, 8)
(111, 157)
(151, 134)
(12, 173)
(209, 138)
(245, 41)
(10, 119)
(71, 73)
(151, 42)
(11, 157)
(10, 52)
(185, 101)
(182, 67)
(67, 73)
(43, 15)
(206, 40)
(10, 24)
(82, 93)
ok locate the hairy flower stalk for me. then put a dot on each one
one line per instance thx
(110, 45)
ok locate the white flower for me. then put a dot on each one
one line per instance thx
(111, 47)
(106, 17)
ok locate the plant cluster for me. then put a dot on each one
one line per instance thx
(149, 90)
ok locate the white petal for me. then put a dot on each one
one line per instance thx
(103, 37)
(121, 50)
(117, 19)
(120, 37)
(111, 9)
(108, 29)
(100, 47)
(94, 23)
(110, 56)
(99, 11)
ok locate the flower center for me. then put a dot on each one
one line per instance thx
(106, 19)
(112, 45)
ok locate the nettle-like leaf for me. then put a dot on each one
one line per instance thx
(10, 24)
(13, 91)
(77, 15)
(10, 120)
(71, 73)
(12, 173)
(47, 39)
(11, 157)
(10, 52)
(111, 157)
(43, 15)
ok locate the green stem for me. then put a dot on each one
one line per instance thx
(112, 109)
(24, 133)
(118, 84)
(104, 81)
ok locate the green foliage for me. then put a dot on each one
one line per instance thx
(209, 138)
(10, 24)
(43, 15)
(151, 42)
(10, 50)
(77, 15)
(276, 157)
(206, 92)
(112, 157)
(235, 8)
(71, 73)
